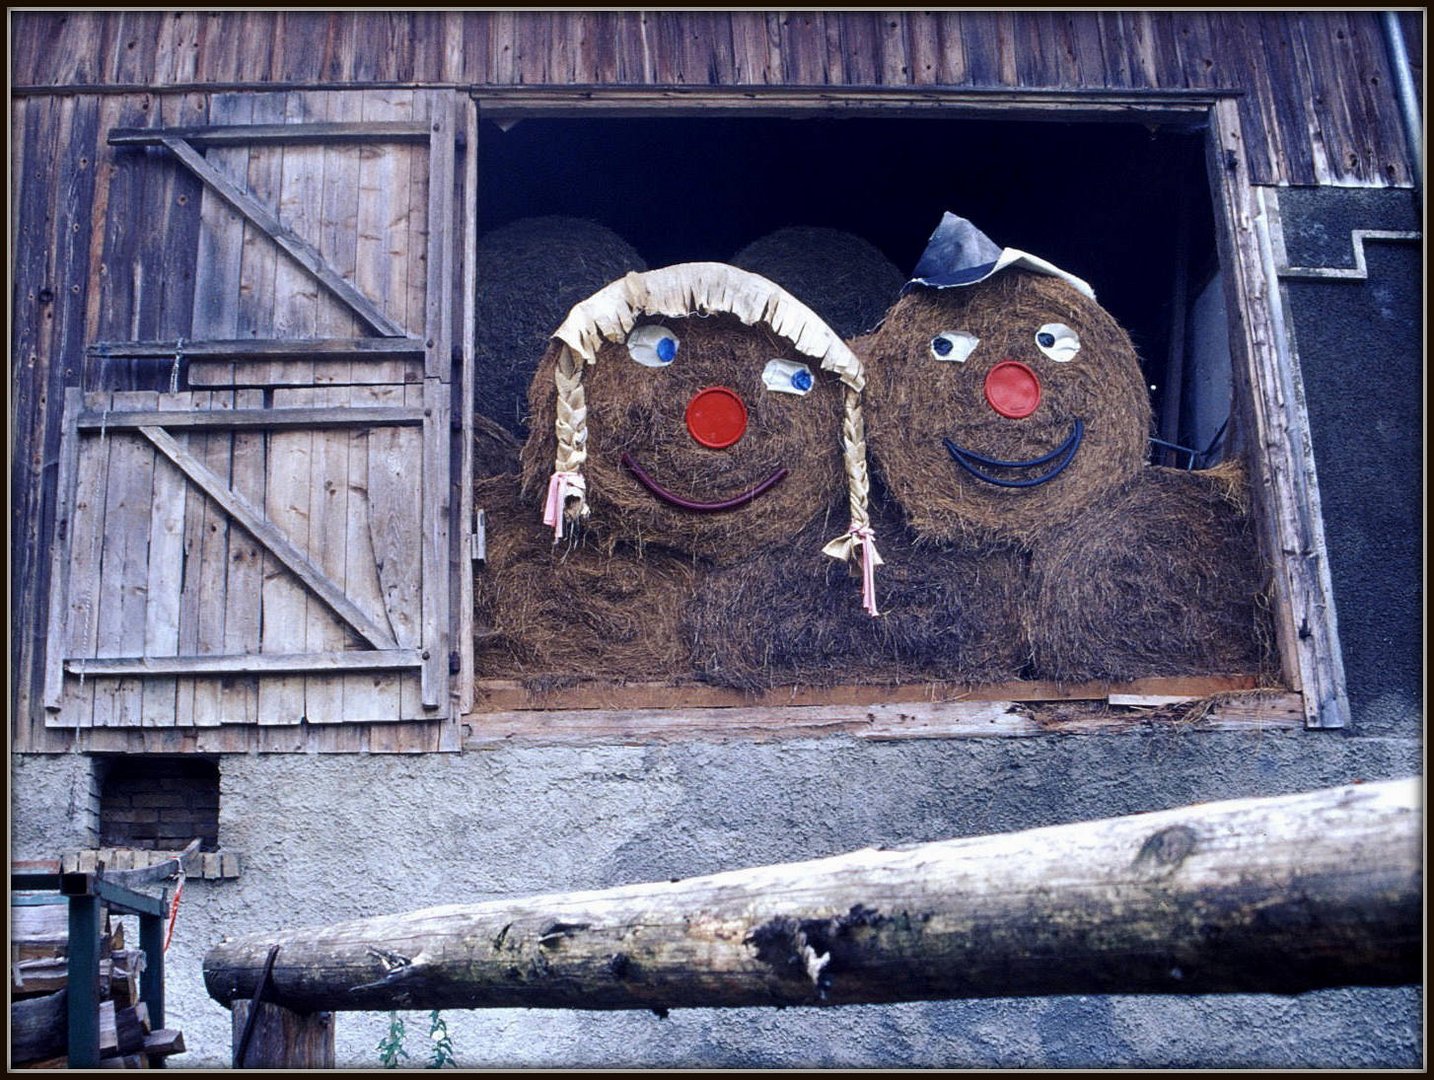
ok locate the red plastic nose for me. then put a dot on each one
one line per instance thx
(716, 417)
(1012, 389)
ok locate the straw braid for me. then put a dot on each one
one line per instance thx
(567, 498)
(853, 440)
(858, 544)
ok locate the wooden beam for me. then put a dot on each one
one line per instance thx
(1283, 481)
(1271, 895)
(391, 131)
(507, 694)
(61, 553)
(873, 723)
(298, 249)
(282, 1038)
(276, 419)
(356, 349)
(245, 664)
(276, 542)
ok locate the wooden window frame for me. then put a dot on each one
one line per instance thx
(1267, 396)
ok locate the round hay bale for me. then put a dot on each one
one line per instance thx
(641, 412)
(948, 614)
(916, 403)
(550, 614)
(840, 276)
(530, 273)
(495, 450)
(1162, 577)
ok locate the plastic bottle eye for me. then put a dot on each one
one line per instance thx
(954, 345)
(652, 345)
(788, 377)
(1058, 341)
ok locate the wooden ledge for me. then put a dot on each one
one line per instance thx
(1237, 710)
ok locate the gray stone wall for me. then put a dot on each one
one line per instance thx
(329, 838)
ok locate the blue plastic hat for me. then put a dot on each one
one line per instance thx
(958, 253)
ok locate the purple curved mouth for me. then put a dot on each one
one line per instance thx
(692, 504)
(1062, 455)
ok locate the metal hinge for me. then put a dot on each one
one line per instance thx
(478, 542)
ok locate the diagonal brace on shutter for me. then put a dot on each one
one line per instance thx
(303, 253)
(277, 544)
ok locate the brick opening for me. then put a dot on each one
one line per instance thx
(159, 803)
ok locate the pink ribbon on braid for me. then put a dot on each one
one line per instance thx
(561, 485)
(870, 560)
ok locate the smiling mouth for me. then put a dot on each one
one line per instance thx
(1058, 459)
(692, 504)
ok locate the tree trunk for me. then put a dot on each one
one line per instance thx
(1276, 895)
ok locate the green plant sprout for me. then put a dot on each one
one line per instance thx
(442, 1044)
(390, 1047)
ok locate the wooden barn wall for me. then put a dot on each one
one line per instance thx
(1316, 106)
(91, 228)
(1317, 102)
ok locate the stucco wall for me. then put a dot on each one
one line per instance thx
(328, 838)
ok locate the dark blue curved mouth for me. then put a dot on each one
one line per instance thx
(1062, 456)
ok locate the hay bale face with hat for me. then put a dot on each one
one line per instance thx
(1003, 400)
(701, 408)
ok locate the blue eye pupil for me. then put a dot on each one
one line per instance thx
(1045, 340)
(666, 349)
(802, 380)
(941, 346)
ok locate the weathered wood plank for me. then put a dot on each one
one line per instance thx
(299, 250)
(435, 525)
(220, 250)
(1267, 373)
(243, 570)
(395, 509)
(338, 232)
(81, 619)
(260, 256)
(61, 552)
(875, 722)
(438, 246)
(205, 548)
(269, 533)
(284, 418)
(280, 1038)
(372, 695)
(467, 337)
(124, 564)
(503, 695)
(287, 466)
(381, 256)
(266, 663)
(1276, 895)
(319, 131)
(329, 485)
(316, 349)
(165, 582)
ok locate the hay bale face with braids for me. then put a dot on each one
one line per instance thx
(1004, 400)
(700, 408)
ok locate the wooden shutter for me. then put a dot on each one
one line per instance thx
(268, 537)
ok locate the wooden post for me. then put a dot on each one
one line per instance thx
(151, 942)
(82, 987)
(282, 1038)
(1274, 895)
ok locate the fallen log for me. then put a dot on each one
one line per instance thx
(1278, 895)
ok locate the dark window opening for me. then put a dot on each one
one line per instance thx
(1101, 200)
(159, 803)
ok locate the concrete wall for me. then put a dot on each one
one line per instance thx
(328, 838)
